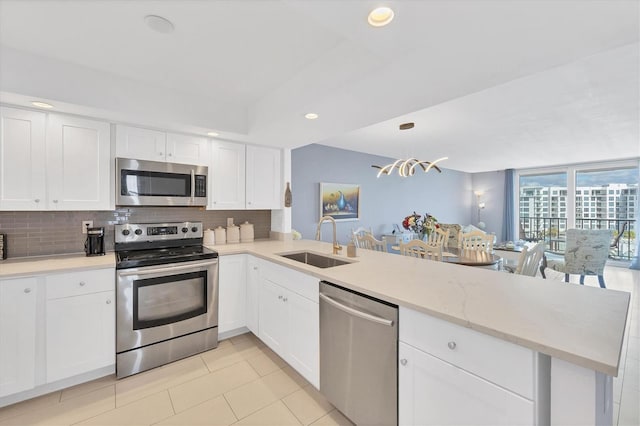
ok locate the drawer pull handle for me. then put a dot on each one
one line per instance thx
(108, 302)
(27, 290)
(284, 299)
(451, 345)
(280, 297)
(403, 361)
(82, 283)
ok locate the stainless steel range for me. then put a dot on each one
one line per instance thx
(167, 295)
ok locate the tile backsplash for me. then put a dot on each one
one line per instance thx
(31, 233)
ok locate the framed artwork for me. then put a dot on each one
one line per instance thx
(341, 201)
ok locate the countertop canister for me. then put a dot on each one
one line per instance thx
(209, 237)
(220, 235)
(233, 234)
(246, 232)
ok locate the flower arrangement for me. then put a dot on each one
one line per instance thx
(419, 224)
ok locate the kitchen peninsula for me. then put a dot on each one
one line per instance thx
(546, 347)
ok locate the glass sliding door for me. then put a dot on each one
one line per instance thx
(608, 199)
(544, 208)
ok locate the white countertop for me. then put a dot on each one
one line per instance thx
(580, 324)
(37, 265)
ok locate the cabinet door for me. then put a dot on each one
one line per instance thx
(232, 293)
(79, 164)
(187, 149)
(264, 186)
(253, 295)
(227, 176)
(17, 335)
(140, 144)
(273, 317)
(432, 392)
(80, 334)
(22, 160)
(304, 337)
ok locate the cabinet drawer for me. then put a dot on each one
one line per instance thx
(297, 282)
(81, 282)
(495, 360)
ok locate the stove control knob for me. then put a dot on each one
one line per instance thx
(194, 229)
(138, 231)
(185, 229)
(125, 232)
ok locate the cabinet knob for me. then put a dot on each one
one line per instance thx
(82, 283)
(108, 302)
(255, 268)
(37, 200)
(451, 345)
(248, 202)
(403, 361)
(280, 297)
(160, 153)
(55, 201)
(170, 154)
(27, 290)
(284, 299)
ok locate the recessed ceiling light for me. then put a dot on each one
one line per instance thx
(159, 24)
(213, 134)
(380, 16)
(41, 104)
(311, 116)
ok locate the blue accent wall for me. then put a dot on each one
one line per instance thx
(492, 184)
(383, 201)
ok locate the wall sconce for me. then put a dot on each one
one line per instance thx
(481, 206)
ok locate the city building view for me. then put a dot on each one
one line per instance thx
(601, 200)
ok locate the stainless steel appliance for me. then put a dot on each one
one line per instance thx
(167, 295)
(359, 355)
(94, 245)
(153, 183)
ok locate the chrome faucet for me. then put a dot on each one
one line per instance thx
(336, 246)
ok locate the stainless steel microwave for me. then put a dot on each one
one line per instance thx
(153, 183)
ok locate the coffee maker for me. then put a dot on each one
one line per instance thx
(94, 246)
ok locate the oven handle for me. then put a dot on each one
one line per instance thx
(193, 185)
(126, 273)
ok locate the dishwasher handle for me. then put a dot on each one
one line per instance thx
(355, 312)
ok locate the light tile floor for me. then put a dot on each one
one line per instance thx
(243, 382)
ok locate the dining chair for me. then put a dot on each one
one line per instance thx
(454, 230)
(586, 253)
(369, 242)
(438, 237)
(529, 260)
(475, 240)
(360, 231)
(421, 250)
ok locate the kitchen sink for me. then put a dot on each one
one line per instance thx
(315, 259)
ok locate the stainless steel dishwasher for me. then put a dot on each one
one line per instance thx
(359, 355)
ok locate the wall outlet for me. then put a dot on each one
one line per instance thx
(229, 221)
(86, 224)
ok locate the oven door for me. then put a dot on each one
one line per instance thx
(157, 303)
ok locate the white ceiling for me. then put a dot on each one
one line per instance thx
(490, 84)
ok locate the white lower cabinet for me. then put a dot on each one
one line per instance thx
(451, 375)
(232, 293)
(289, 318)
(80, 318)
(434, 392)
(253, 294)
(17, 335)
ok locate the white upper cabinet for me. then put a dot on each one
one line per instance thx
(22, 159)
(227, 176)
(187, 149)
(54, 162)
(79, 172)
(244, 177)
(141, 144)
(152, 145)
(263, 178)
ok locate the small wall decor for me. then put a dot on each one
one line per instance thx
(340, 201)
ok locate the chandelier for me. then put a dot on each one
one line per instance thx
(408, 167)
